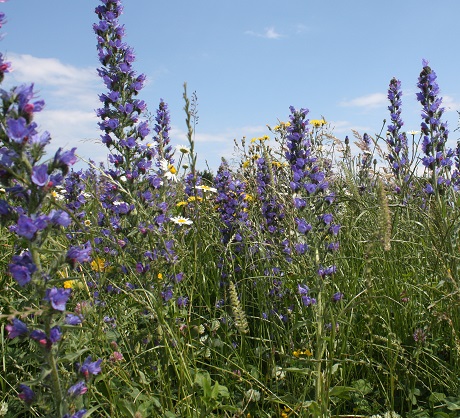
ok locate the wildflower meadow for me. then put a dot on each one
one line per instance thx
(309, 276)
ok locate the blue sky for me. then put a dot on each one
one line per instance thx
(247, 60)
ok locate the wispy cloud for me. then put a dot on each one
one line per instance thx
(346, 127)
(370, 101)
(70, 94)
(211, 146)
(450, 104)
(65, 85)
(268, 33)
(301, 28)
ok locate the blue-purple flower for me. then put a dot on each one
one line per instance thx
(89, 367)
(58, 298)
(16, 329)
(26, 394)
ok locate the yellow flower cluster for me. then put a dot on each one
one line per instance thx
(317, 123)
(304, 353)
(260, 138)
(281, 126)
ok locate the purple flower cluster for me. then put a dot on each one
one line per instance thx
(120, 113)
(272, 209)
(398, 155)
(438, 158)
(231, 204)
(161, 137)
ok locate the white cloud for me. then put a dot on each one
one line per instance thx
(269, 33)
(449, 103)
(346, 127)
(210, 147)
(59, 84)
(370, 101)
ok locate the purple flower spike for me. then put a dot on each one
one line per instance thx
(58, 298)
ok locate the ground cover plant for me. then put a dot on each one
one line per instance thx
(306, 278)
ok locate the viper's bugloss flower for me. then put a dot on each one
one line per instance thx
(182, 301)
(58, 298)
(162, 128)
(40, 337)
(26, 394)
(16, 329)
(78, 254)
(327, 271)
(302, 226)
(435, 133)
(19, 130)
(22, 268)
(89, 367)
(60, 217)
(55, 334)
(398, 152)
(40, 175)
(303, 289)
(77, 389)
(78, 414)
(71, 319)
(231, 203)
(120, 112)
(63, 160)
(337, 296)
(26, 227)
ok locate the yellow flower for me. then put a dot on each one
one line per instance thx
(246, 163)
(281, 126)
(193, 198)
(98, 264)
(179, 204)
(260, 138)
(300, 353)
(276, 164)
(317, 123)
(160, 276)
(248, 197)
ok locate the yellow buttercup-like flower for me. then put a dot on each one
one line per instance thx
(98, 264)
(68, 284)
(317, 123)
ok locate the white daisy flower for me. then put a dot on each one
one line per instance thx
(183, 149)
(168, 169)
(206, 189)
(180, 220)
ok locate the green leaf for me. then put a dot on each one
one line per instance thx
(437, 397)
(342, 392)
